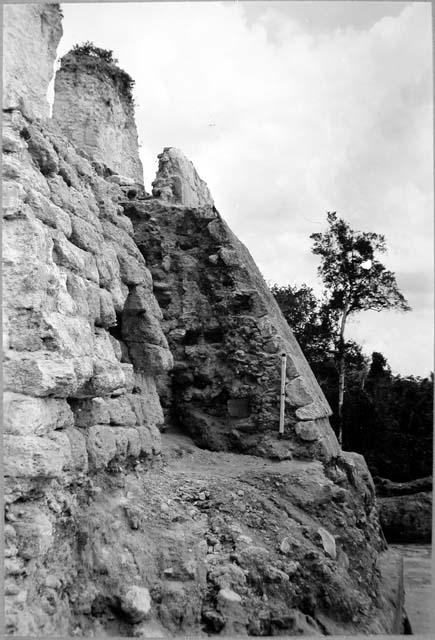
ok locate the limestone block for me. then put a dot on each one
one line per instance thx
(132, 270)
(26, 416)
(84, 370)
(312, 411)
(70, 336)
(11, 168)
(90, 411)
(107, 378)
(47, 212)
(27, 249)
(11, 141)
(85, 236)
(101, 446)
(328, 542)
(108, 266)
(69, 255)
(107, 317)
(34, 531)
(128, 375)
(12, 198)
(298, 393)
(147, 409)
(121, 238)
(135, 603)
(106, 443)
(39, 374)
(120, 411)
(150, 358)
(42, 151)
(33, 457)
(142, 327)
(86, 296)
(141, 298)
(79, 454)
(308, 431)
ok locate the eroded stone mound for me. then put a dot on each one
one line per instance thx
(225, 329)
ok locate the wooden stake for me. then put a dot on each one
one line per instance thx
(282, 397)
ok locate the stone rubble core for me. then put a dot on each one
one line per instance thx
(224, 328)
(110, 528)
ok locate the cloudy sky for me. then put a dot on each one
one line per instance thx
(288, 110)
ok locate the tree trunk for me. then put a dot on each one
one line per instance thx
(341, 372)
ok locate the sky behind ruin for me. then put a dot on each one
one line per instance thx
(288, 110)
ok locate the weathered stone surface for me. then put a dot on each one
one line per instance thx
(41, 374)
(223, 326)
(136, 603)
(28, 69)
(177, 181)
(34, 531)
(26, 415)
(33, 457)
(91, 411)
(96, 114)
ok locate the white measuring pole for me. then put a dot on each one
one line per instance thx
(282, 396)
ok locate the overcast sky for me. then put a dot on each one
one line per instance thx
(288, 110)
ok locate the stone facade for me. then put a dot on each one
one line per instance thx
(75, 404)
(28, 70)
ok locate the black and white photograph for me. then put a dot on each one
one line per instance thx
(218, 319)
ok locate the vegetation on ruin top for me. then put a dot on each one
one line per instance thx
(97, 60)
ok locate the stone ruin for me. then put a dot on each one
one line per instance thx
(124, 313)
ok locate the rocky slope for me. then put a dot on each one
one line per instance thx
(104, 534)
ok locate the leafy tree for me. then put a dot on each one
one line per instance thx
(310, 320)
(354, 280)
(386, 418)
(88, 48)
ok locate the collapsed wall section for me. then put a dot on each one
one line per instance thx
(224, 328)
(94, 109)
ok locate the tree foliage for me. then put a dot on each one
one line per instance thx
(386, 417)
(351, 272)
(90, 49)
(354, 280)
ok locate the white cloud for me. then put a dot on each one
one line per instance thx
(304, 122)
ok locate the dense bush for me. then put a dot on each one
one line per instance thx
(97, 59)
